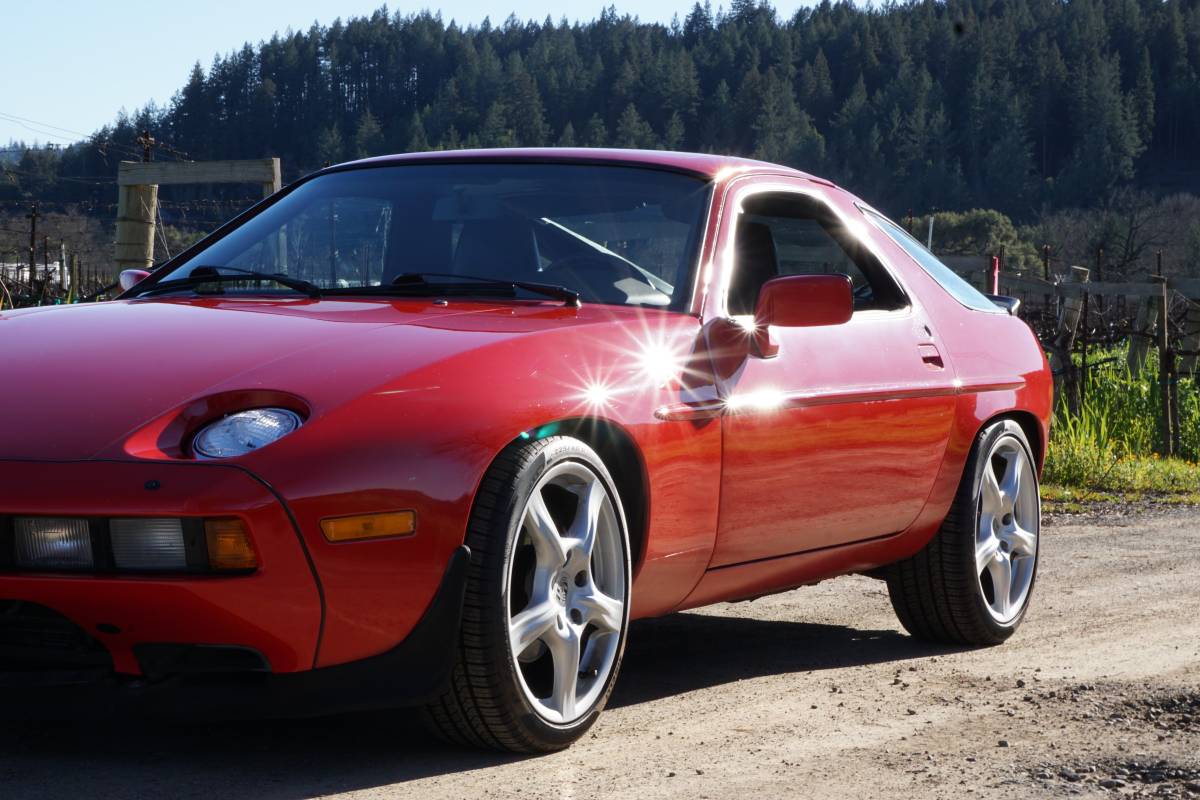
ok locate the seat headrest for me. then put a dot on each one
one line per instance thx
(502, 248)
(755, 264)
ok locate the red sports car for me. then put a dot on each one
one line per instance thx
(430, 430)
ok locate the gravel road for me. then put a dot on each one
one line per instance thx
(815, 693)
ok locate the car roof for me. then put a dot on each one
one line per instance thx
(705, 165)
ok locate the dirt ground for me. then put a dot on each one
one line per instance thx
(814, 693)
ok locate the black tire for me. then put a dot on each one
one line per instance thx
(484, 705)
(937, 593)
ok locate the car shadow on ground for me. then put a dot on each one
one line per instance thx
(284, 760)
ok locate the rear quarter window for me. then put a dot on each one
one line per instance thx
(949, 280)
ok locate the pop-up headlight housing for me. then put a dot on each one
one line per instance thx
(244, 432)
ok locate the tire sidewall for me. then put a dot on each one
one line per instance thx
(554, 452)
(984, 444)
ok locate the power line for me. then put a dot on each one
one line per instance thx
(91, 179)
(18, 119)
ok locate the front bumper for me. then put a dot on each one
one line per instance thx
(414, 671)
(276, 611)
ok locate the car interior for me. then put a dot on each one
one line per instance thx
(780, 234)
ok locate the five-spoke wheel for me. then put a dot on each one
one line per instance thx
(566, 592)
(1007, 537)
(972, 583)
(547, 601)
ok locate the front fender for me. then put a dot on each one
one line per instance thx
(424, 442)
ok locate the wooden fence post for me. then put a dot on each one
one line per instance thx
(1165, 368)
(1066, 376)
(1139, 341)
(135, 226)
(1191, 338)
(1083, 347)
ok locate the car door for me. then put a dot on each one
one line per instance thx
(838, 436)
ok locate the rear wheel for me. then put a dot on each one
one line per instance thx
(972, 583)
(547, 602)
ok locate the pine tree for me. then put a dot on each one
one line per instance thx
(816, 87)
(777, 125)
(698, 23)
(595, 134)
(527, 116)
(633, 131)
(330, 149)
(417, 141)
(1143, 98)
(368, 136)
(673, 136)
(496, 131)
(567, 138)
(1107, 142)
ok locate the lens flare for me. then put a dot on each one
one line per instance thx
(650, 357)
(597, 396)
(659, 363)
(759, 400)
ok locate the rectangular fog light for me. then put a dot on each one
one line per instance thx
(53, 543)
(148, 544)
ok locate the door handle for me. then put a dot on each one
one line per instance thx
(931, 356)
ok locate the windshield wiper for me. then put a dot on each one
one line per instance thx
(202, 275)
(570, 297)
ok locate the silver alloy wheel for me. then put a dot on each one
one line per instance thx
(566, 593)
(1006, 541)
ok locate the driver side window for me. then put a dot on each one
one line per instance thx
(792, 234)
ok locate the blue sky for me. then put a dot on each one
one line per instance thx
(68, 67)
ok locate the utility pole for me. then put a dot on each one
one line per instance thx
(46, 258)
(33, 218)
(147, 142)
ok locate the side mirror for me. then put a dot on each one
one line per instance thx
(800, 301)
(131, 277)
(805, 301)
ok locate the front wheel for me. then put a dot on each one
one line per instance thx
(972, 583)
(547, 602)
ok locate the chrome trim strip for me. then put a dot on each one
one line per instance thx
(686, 412)
(710, 409)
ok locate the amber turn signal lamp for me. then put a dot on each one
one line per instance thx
(229, 546)
(370, 526)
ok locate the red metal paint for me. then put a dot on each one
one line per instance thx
(849, 462)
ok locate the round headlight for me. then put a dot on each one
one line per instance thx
(244, 432)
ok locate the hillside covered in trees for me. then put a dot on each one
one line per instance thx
(1017, 105)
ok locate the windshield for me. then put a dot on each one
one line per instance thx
(618, 235)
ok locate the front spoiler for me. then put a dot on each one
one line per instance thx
(413, 672)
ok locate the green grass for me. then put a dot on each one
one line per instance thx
(1108, 452)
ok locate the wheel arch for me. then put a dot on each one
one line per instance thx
(623, 458)
(1032, 428)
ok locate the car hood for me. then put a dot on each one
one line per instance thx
(80, 380)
